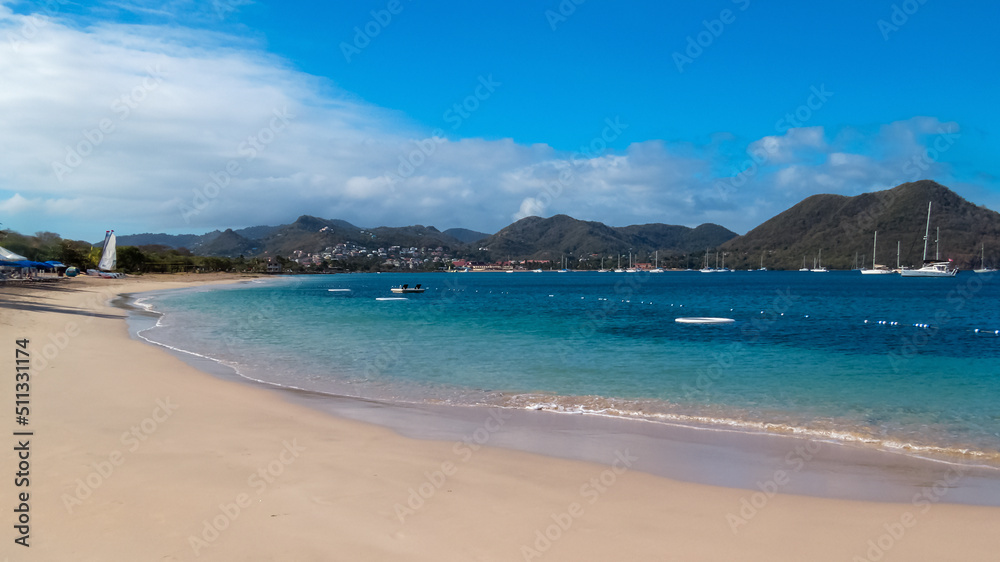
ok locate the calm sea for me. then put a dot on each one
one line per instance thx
(903, 364)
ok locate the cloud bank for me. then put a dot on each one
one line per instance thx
(153, 128)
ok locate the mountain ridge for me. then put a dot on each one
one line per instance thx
(834, 227)
(843, 226)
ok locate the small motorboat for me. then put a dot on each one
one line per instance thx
(406, 289)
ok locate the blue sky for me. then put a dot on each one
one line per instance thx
(457, 114)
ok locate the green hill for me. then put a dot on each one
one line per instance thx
(842, 227)
(561, 235)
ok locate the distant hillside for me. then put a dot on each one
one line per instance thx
(256, 232)
(312, 234)
(418, 236)
(200, 244)
(228, 244)
(189, 241)
(844, 226)
(465, 235)
(561, 235)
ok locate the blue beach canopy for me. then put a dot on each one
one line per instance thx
(54, 263)
(37, 264)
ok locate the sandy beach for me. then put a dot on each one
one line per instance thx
(136, 455)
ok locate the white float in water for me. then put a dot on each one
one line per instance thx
(703, 320)
(338, 290)
(391, 298)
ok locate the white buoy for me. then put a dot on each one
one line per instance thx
(704, 320)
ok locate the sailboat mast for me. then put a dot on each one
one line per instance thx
(937, 245)
(927, 231)
(897, 254)
(874, 245)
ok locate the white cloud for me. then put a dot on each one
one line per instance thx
(146, 128)
(783, 149)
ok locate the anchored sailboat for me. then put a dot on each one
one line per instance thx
(656, 264)
(931, 268)
(982, 258)
(876, 268)
(819, 268)
(705, 268)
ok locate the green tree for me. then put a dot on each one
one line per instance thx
(131, 259)
(72, 254)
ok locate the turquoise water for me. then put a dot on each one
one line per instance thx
(885, 361)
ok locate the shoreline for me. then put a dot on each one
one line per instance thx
(222, 471)
(876, 473)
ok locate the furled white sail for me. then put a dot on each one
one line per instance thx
(109, 256)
